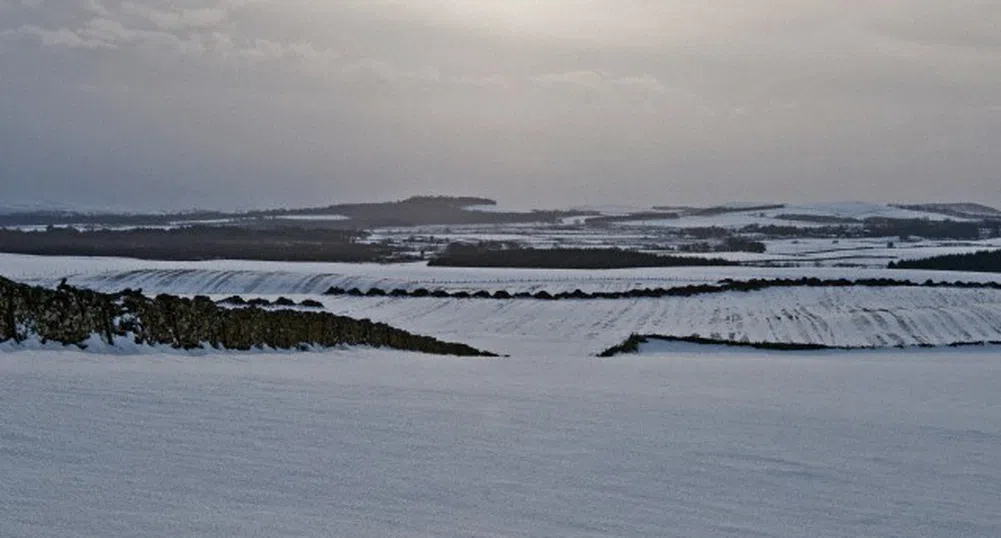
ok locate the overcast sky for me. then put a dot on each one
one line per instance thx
(261, 103)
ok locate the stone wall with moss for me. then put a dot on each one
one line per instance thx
(71, 315)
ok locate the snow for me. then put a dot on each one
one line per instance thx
(836, 317)
(679, 440)
(610, 210)
(745, 215)
(369, 443)
(859, 210)
(735, 220)
(265, 278)
(313, 217)
(840, 317)
(126, 345)
(871, 252)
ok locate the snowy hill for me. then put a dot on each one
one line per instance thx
(738, 215)
(835, 316)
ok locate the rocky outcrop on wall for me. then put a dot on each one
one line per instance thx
(72, 315)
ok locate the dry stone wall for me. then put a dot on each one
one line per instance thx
(72, 315)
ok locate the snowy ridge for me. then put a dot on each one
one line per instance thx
(273, 278)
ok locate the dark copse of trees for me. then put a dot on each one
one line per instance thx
(649, 215)
(462, 255)
(723, 210)
(929, 229)
(71, 315)
(984, 261)
(199, 243)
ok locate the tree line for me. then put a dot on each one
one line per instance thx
(984, 261)
(466, 255)
(199, 243)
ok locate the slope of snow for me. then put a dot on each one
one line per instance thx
(380, 444)
(971, 210)
(839, 317)
(735, 219)
(312, 217)
(836, 317)
(857, 210)
(740, 217)
(265, 278)
(609, 210)
(872, 252)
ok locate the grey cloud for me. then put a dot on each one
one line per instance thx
(179, 19)
(266, 102)
(595, 80)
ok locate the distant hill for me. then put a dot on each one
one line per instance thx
(461, 210)
(414, 211)
(962, 210)
(427, 210)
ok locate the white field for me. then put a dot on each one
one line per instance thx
(312, 217)
(836, 317)
(840, 317)
(550, 442)
(367, 443)
(273, 278)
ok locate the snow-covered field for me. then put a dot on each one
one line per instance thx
(264, 278)
(837, 317)
(368, 443)
(676, 441)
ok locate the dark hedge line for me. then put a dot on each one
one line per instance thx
(458, 255)
(200, 243)
(984, 261)
(70, 316)
(632, 344)
(679, 291)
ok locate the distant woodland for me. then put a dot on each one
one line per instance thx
(463, 255)
(985, 261)
(198, 243)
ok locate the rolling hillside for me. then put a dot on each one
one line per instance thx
(852, 316)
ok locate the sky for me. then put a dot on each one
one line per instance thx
(228, 104)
